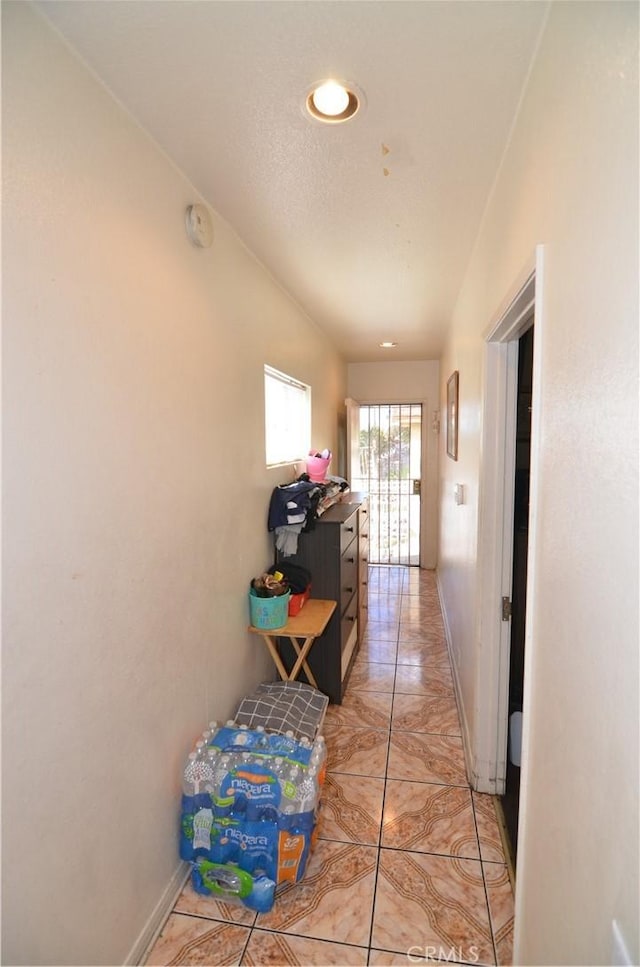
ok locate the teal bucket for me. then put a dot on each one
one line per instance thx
(269, 613)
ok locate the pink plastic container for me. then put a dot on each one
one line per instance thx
(317, 468)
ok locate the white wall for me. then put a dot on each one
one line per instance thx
(569, 180)
(408, 382)
(135, 499)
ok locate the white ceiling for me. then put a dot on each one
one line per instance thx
(219, 84)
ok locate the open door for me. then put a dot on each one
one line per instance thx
(510, 800)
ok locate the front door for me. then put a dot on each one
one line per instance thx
(388, 469)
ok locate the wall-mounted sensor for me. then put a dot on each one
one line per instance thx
(199, 225)
(458, 493)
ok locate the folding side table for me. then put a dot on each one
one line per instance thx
(308, 625)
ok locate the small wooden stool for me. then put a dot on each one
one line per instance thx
(308, 624)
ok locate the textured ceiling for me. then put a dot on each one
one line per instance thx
(368, 224)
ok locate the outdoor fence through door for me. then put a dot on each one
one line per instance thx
(390, 454)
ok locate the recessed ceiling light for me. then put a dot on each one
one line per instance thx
(387, 345)
(333, 101)
(330, 98)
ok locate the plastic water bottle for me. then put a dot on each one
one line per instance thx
(196, 777)
(200, 749)
(290, 783)
(309, 791)
(204, 768)
(288, 813)
(277, 766)
(210, 770)
(223, 766)
(295, 773)
(190, 789)
(317, 755)
(262, 741)
(319, 759)
(190, 778)
(223, 803)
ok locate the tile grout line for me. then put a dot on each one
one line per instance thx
(484, 881)
(386, 779)
(247, 941)
(306, 936)
(384, 793)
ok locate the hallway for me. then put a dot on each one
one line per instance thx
(409, 864)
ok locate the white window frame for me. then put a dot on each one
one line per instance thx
(287, 417)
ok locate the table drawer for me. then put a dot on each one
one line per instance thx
(363, 554)
(350, 647)
(348, 580)
(348, 531)
(348, 621)
(363, 523)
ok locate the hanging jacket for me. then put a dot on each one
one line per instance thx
(290, 504)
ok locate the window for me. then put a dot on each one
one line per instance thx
(287, 407)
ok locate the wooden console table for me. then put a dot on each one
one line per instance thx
(308, 625)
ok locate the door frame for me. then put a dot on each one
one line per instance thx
(495, 521)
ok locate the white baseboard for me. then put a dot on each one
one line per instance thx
(155, 923)
(469, 758)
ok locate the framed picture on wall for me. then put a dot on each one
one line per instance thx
(452, 416)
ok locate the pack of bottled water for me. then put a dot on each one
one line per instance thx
(250, 803)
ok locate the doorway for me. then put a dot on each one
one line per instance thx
(489, 754)
(388, 468)
(510, 800)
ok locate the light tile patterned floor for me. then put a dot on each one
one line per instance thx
(409, 863)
